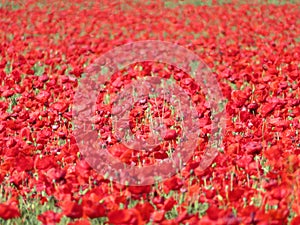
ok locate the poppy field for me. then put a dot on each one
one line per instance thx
(49, 48)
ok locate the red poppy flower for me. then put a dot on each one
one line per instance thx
(49, 218)
(72, 209)
(125, 216)
(9, 209)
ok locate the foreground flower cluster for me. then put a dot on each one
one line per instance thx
(253, 51)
